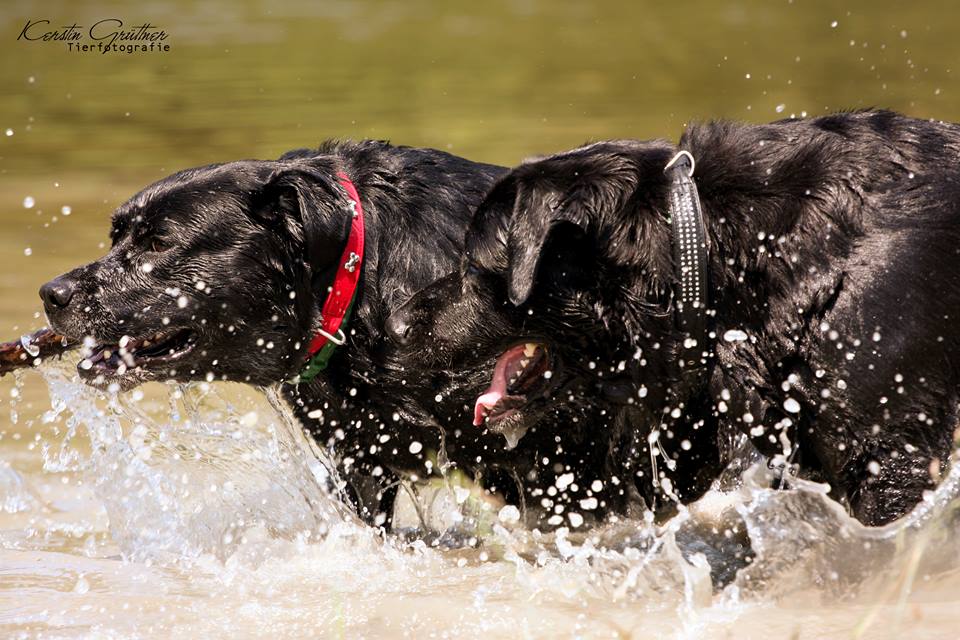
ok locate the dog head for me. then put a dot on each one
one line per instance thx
(563, 293)
(211, 275)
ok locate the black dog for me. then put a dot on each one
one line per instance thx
(833, 284)
(220, 273)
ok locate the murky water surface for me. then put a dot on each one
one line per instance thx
(202, 510)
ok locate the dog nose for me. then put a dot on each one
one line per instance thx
(58, 293)
(399, 326)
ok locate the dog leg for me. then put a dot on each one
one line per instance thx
(889, 479)
(373, 497)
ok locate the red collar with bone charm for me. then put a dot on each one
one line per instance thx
(343, 293)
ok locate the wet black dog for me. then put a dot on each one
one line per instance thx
(220, 272)
(834, 284)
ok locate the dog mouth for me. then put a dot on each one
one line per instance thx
(137, 354)
(521, 374)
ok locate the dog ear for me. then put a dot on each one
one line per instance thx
(537, 213)
(278, 200)
(304, 202)
(582, 189)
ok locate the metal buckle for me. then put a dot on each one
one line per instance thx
(334, 339)
(680, 154)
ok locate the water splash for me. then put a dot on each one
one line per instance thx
(200, 478)
(15, 494)
(241, 506)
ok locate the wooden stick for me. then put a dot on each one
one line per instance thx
(41, 345)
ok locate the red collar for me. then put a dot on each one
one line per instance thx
(343, 292)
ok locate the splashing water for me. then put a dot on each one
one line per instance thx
(205, 510)
(209, 480)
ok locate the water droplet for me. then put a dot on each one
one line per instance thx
(509, 514)
(28, 202)
(461, 494)
(735, 335)
(82, 586)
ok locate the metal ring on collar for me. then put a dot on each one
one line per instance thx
(338, 339)
(680, 154)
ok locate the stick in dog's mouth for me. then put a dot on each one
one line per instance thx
(29, 351)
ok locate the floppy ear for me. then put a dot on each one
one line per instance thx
(304, 201)
(537, 212)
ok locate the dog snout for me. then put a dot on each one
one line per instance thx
(58, 293)
(400, 325)
(417, 318)
(411, 320)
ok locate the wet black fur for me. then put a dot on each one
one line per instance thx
(264, 237)
(833, 244)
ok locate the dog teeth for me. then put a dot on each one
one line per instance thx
(124, 341)
(529, 350)
(524, 362)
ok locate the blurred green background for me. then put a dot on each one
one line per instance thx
(494, 81)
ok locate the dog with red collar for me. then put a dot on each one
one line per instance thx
(277, 272)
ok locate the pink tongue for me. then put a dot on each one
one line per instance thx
(486, 401)
(498, 386)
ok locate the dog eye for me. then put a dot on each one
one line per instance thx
(158, 246)
(473, 270)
